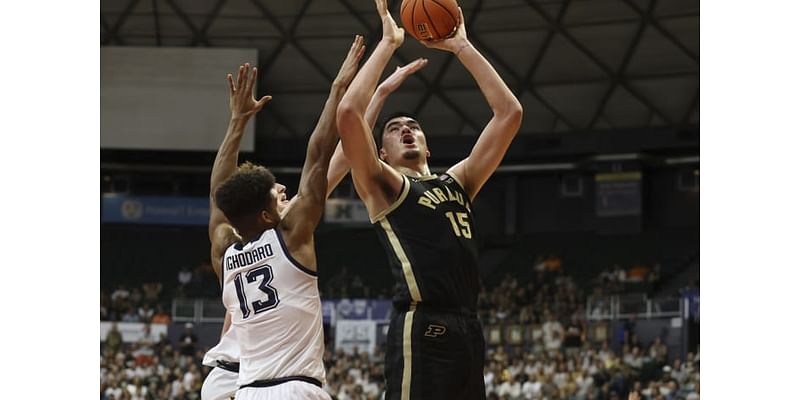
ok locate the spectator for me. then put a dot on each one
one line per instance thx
(637, 273)
(130, 315)
(658, 351)
(113, 340)
(187, 340)
(532, 388)
(105, 306)
(145, 313)
(573, 337)
(160, 317)
(510, 387)
(553, 334)
(152, 292)
(184, 278)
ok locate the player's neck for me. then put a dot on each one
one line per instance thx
(413, 169)
(248, 235)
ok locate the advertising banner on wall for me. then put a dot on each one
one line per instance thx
(156, 210)
(132, 331)
(356, 334)
(346, 211)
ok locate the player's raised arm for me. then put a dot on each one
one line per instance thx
(496, 137)
(304, 213)
(243, 106)
(340, 166)
(377, 185)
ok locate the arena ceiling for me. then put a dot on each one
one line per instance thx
(576, 65)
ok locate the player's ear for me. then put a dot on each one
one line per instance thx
(427, 154)
(382, 154)
(267, 218)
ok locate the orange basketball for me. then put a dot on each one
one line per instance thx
(430, 19)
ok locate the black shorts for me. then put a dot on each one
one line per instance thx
(431, 354)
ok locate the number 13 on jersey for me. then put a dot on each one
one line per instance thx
(460, 223)
(267, 295)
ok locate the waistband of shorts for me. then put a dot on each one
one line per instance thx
(231, 366)
(277, 381)
(457, 310)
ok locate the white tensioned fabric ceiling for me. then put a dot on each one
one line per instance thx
(576, 65)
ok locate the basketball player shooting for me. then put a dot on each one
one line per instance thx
(435, 346)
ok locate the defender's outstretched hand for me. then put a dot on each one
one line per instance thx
(400, 74)
(392, 34)
(454, 44)
(242, 93)
(350, 65)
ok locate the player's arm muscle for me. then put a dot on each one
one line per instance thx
(376, 183)
(491, 146)
(307, 206)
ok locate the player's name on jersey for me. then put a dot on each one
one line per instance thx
(434, 197)
(246, 258)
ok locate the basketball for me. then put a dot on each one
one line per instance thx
(430, 19)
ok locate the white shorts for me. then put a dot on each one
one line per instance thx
(287, 390)
(220, 384)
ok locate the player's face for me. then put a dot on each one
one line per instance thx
(403, 138)
(279, 194)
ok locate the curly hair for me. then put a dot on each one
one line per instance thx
(245, 193)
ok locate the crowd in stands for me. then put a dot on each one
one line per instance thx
(561, 361)
(143, 303)
(152, 368)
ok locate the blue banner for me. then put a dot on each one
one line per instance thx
(355, 309)
(156, 210)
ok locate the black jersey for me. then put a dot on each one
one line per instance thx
(429, 236)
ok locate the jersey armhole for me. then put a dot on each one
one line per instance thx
(393, 206)
(457, 181)
(291, 259)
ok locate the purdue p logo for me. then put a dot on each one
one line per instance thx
(435, 330)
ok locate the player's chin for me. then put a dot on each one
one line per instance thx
(411, 154)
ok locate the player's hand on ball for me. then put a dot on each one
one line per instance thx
(454, 44)
(243, 103)
(350, 65)
(400, 74)
(391, 32)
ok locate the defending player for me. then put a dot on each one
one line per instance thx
(435, 348)
(222, 381)
(263, 247)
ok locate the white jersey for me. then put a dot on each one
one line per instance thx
(226, 350)
(276, 311)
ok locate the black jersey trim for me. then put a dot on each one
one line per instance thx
(273, 382)
(467, 199)
(393, 206)
(294, 262)
(457, 181)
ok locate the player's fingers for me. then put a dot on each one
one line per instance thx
(239, 77)
(419, 64)
(262, 101)
(361, 51)
(230, 84)
(251, 82)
